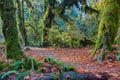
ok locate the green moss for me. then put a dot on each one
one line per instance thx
(108, 26)
(10, 32)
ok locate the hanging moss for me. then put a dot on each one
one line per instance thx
(108, 26)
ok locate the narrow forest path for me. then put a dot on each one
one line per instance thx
(79, 58)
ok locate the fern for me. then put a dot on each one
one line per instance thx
(61, 65)
(18, 64)
(22, 75)
(8, 73)
(1, 73)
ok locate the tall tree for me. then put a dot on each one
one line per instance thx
(22, 21)
(48, 18)
(107, 28)
(10, 32)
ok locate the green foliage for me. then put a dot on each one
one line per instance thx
(19, 75)
(117, 41)
(28, 64)
(50, 60)
(8, 73)
(55, 37)
(66, 67)
(108, 26)
(6, 65)
(35, 44)
(34, 22)
(73, 36)
(1, 73)
(61, 65)
(19, 65)
(35, 32)
(22, 75)
(118, 57)
(89, 26)
(69, 38)
(3, 65)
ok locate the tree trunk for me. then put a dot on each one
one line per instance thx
(108, 27)
(48, 18)
(21, 21)
(10, 32)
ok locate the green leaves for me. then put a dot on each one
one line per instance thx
(8, 73)
(22, 74)
(18, 64)
(19, 77)
(67, 67)
(50, 60)
(61, 65)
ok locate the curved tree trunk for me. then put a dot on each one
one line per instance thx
(10, 32)
(21, 21)
(107, 28)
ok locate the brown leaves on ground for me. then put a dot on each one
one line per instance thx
(80, 57)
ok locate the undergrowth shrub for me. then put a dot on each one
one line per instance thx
(31, 62)
(55, 38)
(70, 37)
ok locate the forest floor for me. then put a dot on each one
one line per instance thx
(80, 58)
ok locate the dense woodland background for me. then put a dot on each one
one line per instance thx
(74, 24)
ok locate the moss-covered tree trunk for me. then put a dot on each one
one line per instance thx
(107, 28)
(10, 32)
(48, 19)
(21, 21)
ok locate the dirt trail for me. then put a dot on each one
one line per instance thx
(80, 58)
